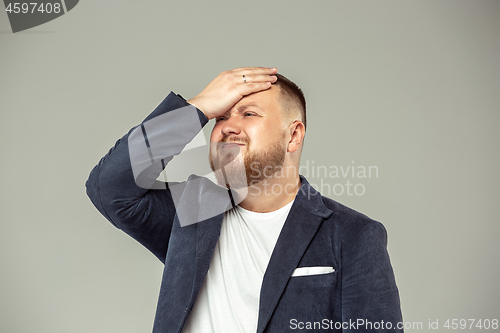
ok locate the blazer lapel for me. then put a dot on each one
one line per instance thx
(215, 202)
(301, 225)
(207, 235)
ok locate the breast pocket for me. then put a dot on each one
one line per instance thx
(309, 296)
(316, 277)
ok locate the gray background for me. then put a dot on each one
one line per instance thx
(411, 87)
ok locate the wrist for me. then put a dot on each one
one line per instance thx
(196, 104)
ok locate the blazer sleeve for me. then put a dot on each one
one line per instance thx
(369, 293)
(123, 185)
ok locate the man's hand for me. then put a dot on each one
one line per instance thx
(230, 86)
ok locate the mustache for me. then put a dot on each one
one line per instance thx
(235, 140)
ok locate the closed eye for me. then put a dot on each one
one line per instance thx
(246, 114)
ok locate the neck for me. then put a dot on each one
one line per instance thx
(271, 193)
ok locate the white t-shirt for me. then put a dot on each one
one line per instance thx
(229, 298)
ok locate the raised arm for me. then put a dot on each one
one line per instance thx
(124, 189)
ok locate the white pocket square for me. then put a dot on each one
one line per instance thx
(316, 270)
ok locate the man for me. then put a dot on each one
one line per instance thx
(262, 251)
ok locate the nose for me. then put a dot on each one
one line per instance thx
(231, 126)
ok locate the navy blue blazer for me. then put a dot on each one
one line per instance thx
(360, 295)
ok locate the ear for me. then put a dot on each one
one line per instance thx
(297, 132)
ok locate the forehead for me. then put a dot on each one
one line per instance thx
(266, 100)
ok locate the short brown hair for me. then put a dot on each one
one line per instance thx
(292, 98)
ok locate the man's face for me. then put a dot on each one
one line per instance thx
(249, 140)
